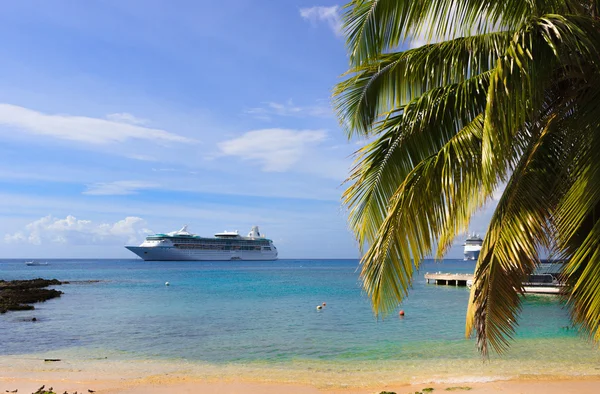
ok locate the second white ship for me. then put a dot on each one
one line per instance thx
(228, 245)
(472, 247)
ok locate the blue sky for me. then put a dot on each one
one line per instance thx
(120, 118)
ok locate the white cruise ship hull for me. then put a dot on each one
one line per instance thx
(471, 255)
(170, 253)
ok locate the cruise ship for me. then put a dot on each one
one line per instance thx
(473, 247)
(228, 245)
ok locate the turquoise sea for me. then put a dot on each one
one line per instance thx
(262, 316)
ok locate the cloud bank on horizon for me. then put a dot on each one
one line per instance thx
(73, 231)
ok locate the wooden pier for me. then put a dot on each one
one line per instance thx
(444, 278)
(448, 279)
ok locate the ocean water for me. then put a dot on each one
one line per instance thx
(260, 319)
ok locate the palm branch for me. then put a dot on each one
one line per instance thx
(509, 95)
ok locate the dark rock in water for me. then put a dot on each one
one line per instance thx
(29, 283)
(8, 305)
(16, 295)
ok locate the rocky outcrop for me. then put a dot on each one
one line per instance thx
(17, 295)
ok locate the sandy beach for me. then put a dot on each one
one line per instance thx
(154, 377)
(168, 385)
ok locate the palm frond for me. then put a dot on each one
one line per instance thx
(451, 121)
(521, 78)
(583, 272)
(378, 26)
(395, 79)
(580, 201)
(521, 224)
(417, 213)
(408, 137)
(533, 211)
(578, 213)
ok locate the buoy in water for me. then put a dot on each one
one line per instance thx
(401, 313)
(324, 303)
(319, 307)
(167, 283)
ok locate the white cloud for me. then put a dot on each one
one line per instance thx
(81, 128)
(288, 108)
(73, 231)
(118, 187)
(276, 149)
(125, 117)
(329, 15)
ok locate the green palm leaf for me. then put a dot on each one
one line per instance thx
(578, 211)
(407, 137)
(395, 79)
(520, 225)
(520, 81)
(510, 96)
(417, 212)
(377, 26)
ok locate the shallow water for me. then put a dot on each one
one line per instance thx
(263, 315)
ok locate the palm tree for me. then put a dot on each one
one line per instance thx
(506, 96)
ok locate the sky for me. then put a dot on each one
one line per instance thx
(120, 119)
